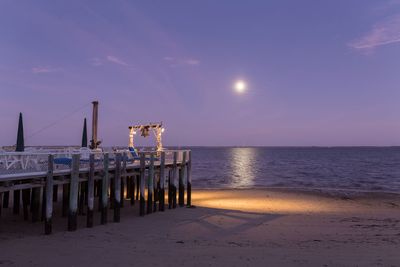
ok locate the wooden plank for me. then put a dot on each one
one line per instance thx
(142, 184)
(150, 185)
(181, 199)
(73, 194)
(117, 188)
(162, 182)
(90, 192)
(49, 196)
(104, 187)
(189, 181)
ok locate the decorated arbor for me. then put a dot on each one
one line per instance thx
(145, 129)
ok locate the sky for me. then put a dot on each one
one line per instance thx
(318, 73)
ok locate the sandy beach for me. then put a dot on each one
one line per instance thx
(258, 227)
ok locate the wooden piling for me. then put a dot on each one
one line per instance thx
(49, 196)
(124, 185)
(162, 182)
(104, 192)
(181, 199)
(142, 184)
(137, 187)
(65, 200)
(16, 201)
(132, 191)
(26, 197)
(6, 199)
(117, 188)
(189, 181)
(73, 194)
(35, 204)
(90, 192)
(150, 186)
(174, 180)
(81, 198)
(169, 190)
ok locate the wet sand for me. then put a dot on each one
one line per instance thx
(263, 227)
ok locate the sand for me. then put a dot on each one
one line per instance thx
(265, 227)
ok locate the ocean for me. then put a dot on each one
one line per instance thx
(355, 168)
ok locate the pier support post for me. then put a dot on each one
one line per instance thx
(6, 199)
(49, 196)
(104, 191)
(65, 200)
(26, 197)
(132, 189)
(90, 192)
(117, 188)
(142, 184)
(189, 180)
(73, 194)
(181, 181)
(124, 185)
(174, 180)
(150, 186)
(162, 182)
(16, 201)
(35, 204)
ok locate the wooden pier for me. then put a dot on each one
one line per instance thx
(109, 178)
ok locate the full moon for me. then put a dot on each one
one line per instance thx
(240, 86)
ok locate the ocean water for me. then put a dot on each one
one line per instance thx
(356, 168)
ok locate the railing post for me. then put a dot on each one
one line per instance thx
(73, 194)
(49, 196)
(189, 180)
(104, 190)
(117, 188)
(90, 184)
(162, 182)
(150, 185)
(181, 182)
(142, 183)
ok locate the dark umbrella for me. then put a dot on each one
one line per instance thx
(20, 135)
(84, 134)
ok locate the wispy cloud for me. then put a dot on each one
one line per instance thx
(116, 60)
(41, 69)
(181, 62)
(96, 61)
(382, 33)
(192, 61)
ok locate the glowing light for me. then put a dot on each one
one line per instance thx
(240, 86)
(162, 130)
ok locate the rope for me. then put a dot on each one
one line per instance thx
(57, 121)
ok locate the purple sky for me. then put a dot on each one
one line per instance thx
(318, 72)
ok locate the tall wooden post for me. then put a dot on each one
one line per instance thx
(73, 194)
(124, 179)
(150, 185)
(104, 192)
(189, 181)
(162, 182)
(142, 184)
(181, 181)
(117, 188)
(90, 184)
(174, 179)
(49, 196)
(95, 117)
